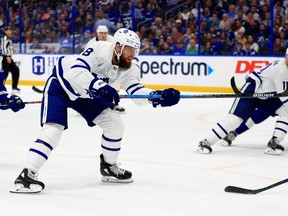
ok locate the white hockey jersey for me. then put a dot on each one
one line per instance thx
(75, 73)
(272, 78)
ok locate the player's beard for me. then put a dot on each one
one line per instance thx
(123, 63)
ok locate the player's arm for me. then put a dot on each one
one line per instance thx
(132, 85)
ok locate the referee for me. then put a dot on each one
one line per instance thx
(8, 65)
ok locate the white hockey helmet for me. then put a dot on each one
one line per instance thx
(102, 28)
(126, 37)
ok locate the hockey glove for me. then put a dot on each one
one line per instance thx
(4, 102)
(169, 97)
(15, 103)
(104, 92)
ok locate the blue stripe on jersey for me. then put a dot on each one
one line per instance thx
(280, 129)
(44, 143)
(86, 65)
(255, 74)
(282, 122)
(110, 140)
(132, 86)
(110, 149)
(39, 152)
(136, 89)
(79, 66)
(60, 73)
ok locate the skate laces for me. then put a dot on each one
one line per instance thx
(32, 175)
(116, 169)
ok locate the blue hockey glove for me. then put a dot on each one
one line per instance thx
(102, 91)
(4, 102)
(15, 103)
(169, 97)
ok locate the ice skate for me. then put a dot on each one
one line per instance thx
(204, 147)
(27, 183)
(113, 173)
(227, 140)
(119, 109)
(274, 147)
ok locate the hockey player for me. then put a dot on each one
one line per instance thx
(12, 102)
(272, 78)
(102, 35)
(85, 83)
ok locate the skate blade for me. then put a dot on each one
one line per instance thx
(19, 188)
(271, 151)
(110, 179)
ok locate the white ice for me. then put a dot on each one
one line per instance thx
(158, 147)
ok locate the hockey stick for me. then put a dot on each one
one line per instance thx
(37, 90)
(265, 95)
(26, 102)
(234, 189)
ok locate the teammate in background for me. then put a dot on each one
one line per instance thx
(102, 35)
(8, 64)
(13, 102)
(86, 83)
(272, 78)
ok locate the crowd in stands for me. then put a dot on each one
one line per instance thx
(174, 27)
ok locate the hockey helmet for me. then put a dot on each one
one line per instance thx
(126, 37)
(102, 28)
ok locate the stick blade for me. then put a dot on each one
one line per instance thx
(234, 189)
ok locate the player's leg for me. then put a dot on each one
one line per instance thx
(257, 117)
(53, 121)
(113, 129)
(280, 130)
(240, 111)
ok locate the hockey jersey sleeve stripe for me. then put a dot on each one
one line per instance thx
(280, 129)
(62, 79)
(131, 86)
(257, 76)
(136, 89)
(87, 66)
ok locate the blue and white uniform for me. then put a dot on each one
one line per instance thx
(68, 87)
(271, 79)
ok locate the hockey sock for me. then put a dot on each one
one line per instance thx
(40, 150)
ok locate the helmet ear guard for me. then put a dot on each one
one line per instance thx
(126, 37)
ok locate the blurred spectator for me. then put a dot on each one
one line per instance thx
(179, 48)
(192, 48)
(248, 51)
(254, 45)
(166, 49)
(223, 21)
(146, 47)
(239, 49)
(186, 13)
(241, 4)
(35, 44)
(231, 12)
(103, 20)
(278, 49)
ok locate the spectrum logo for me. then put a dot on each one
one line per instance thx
(250, 66)
(172, 67)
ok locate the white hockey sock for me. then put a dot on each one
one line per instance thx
(229, 123)
(40, 150)
(113, 129)
(281, 128)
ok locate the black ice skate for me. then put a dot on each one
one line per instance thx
(274, 147)
(227, 140)
(27, 183)
(113, 173)
(119, 109)
(204, 147)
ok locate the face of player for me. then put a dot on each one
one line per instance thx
(126, 58)
(102, 36)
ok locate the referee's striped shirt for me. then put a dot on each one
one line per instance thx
(6, 46)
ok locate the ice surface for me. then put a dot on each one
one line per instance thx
(158, 147)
